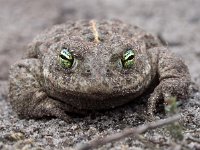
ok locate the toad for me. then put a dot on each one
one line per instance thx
(92, 65)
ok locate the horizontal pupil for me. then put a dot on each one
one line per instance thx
(130, 57)
(63, 57)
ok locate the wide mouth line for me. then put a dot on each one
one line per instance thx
(99, 95)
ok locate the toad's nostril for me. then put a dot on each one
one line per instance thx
(108, 72)
(88, 71)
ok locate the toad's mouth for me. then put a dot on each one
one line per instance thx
(96, 100)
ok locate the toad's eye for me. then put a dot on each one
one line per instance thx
(128, 59)
(66, 59)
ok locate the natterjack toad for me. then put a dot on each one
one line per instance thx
(91, 65)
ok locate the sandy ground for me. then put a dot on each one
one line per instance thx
(178, 22)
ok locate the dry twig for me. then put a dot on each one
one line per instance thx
(193, 139)
(128, 132)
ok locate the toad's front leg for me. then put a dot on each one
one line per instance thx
(174, 78)
(27, 96)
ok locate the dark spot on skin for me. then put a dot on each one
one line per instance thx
(108, 73)
(128, 81)
(108, 70)
(100, 38)
(88, 71)
(20, 66)
(76, 28)
(90, 37)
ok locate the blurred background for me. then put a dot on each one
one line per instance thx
(176, 21)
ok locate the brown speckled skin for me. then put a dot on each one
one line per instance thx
(40, 87)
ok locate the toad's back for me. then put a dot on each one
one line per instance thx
(109, 32)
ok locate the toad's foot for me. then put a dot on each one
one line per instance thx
(28, 97)
(174, 79)
(46, 107)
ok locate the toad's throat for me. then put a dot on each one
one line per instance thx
(95, 32)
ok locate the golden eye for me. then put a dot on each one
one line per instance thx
(66, 58)
(128, 59)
